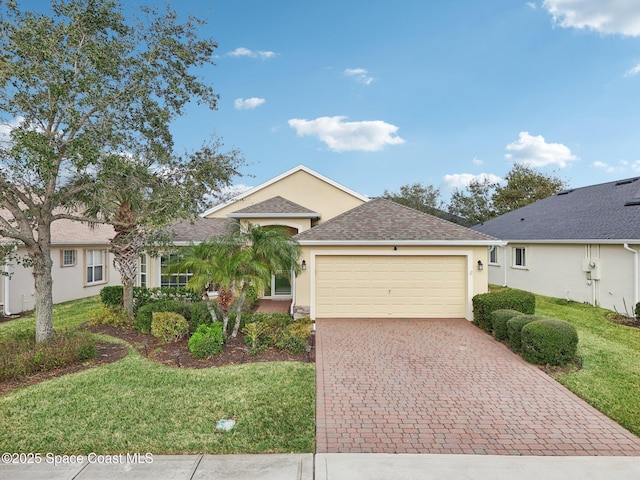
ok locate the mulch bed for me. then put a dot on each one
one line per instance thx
(174, 354)
(624, 320)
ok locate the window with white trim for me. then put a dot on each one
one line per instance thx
(493, 255)
(168, 276)
(68, 258)
(95, 266)
(520, 257)
(143, 270)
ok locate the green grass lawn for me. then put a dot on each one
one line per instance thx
(610, 375)
(136, 405)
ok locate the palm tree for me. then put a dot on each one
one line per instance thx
(244, 257)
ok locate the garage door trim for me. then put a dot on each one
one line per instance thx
(402, 252)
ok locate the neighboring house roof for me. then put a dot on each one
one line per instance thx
(73, 232)
(251, 191)
(273, 208)
(381, 221)
(608, 211)
(198, 229)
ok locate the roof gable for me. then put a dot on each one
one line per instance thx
(214, 211)
(382, 220)
(273, 208)
(607, 211)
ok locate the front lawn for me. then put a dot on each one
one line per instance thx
(137, 405)
(610, 375)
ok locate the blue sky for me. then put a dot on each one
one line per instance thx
(377, 94)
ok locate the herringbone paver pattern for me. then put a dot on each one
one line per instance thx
(444, 386)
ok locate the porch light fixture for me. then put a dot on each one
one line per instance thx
(480, 265)
(303, 265)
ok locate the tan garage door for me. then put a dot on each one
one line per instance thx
(391, 286)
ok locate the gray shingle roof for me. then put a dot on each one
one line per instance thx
(593, 212)
(199, 229)
(275, 207)
(384, 220)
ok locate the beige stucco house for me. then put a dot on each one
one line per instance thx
(581, 244)
(82, 265)
(361, 257)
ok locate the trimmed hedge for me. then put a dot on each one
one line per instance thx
(499, 319)
(168, 326)
(549, 342)
(145, 313)
(112, 296)
(514, 329)
(638, 310)
(200, 315)
(485, 304)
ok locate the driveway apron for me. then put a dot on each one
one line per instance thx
(444, 386)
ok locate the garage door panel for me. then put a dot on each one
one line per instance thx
(391, 286)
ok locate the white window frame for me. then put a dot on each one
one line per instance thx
(176, 280)
(63, 257)
(523, 258)
(89, 256)
(143, 270)
(493, 252)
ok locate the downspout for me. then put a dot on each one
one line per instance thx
(505, 266)
(6, 307)
(635, 273)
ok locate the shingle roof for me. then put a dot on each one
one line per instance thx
(275, 207)
(384, 220)
(593, 212)
(199, 229)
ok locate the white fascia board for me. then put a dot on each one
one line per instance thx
(600, 241)
(446, 243)
(246, 193)
(274, 215)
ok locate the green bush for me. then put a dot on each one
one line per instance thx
(254, 334)
(549, 341)
(638, 310)
(168, 326)
(145, 313)
(509, 298)
(200, 315)
(294, 337)
(206, 341)
(114, 316)
(21, 356)
(514, 329)
(499, 319)
(112, 296)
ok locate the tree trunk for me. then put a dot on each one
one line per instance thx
(125, 247)
(43, 283)
(239, 304)
(127, 296)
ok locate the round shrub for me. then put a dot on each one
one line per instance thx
(112, 296)
(144, 315)
(168, 326)
(113, 316)
(206, 341)
(499, 319)
(514, 328)
(549, 341)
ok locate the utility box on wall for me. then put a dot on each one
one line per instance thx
(593, 267)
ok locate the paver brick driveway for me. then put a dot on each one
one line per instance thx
(444, 386)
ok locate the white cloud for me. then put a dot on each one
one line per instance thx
(622, 166)
(603, 16)
(462, 180)
(532, 5)
(632, 71)
(8, 127)
(245, 52)
(360, 74)
(341, 136)
(248, 103)
(536, 152)
(477, 161)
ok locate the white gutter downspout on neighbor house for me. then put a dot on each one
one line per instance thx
(635, 273)
(6, 307)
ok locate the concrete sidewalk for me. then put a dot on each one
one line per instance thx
(335, 466)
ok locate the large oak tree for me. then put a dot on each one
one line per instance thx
(78, 86)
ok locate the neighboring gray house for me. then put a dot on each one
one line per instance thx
(581, 244)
